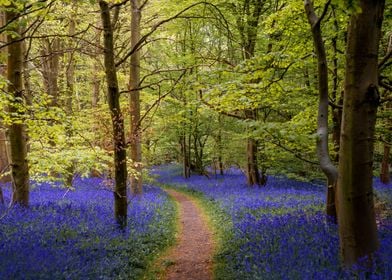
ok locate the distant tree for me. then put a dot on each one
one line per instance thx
(248, 27)
(356, 216)
(50, 67)
(113, 95)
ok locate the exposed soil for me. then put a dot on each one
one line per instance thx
(191, 258)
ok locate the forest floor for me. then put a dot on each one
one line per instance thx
(191, 257)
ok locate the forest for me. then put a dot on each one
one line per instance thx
(238, 139)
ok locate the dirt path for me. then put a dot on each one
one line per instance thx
(191, 258)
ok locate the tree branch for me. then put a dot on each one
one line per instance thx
(220, 111)
(156, 26)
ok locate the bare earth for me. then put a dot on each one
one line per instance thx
(192, 256)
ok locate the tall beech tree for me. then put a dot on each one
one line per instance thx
(248, 29)
(356, 216)
(134, 101)
(328, 168)
(119, 145)
(17, 130)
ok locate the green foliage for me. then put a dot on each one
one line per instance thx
(199, 54)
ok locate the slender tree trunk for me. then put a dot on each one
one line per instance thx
(253, 174)
(70, 73)
(384, 175)
(134, 84)
(4, 161)
(326, 164)
(1, 196)
(220, 147)
(26, 76)
(50, 61)
(337, 123)
(252, 169)
(356, 216)
(96, 69)
(119, 145)
(248, 26)
(96, 86)
(4, 165)
(17, 133)
(185, 158)
(338, 99)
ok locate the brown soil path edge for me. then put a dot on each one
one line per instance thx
(191, 258)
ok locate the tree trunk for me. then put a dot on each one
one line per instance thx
(50, 61)
(185, 158)
(337, 123)
(134, 100)
(356, 217)
(96, 86)
(17, 133)
(70, 73)
(1, 196)
(248, 26)
(119, 145)
(253, 174)
(4, 162)
(252, 170)
(326, 164)
(198, 149)
(220, 148)
(336, 112)
(384, 176)
(4, 165)
(96, 69)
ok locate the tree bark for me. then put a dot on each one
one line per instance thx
(17, 133)
(70, 80)
(220, 146)
(1, 196)
(253, 174)
(338, 99)
(4, 165)
(356, 216)
(186, 171)
(50, 61)
(4, 162)
(96, 69)
(134, 100)
(326, 164)
(119, 145)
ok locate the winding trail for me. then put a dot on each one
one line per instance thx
(191, 258)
